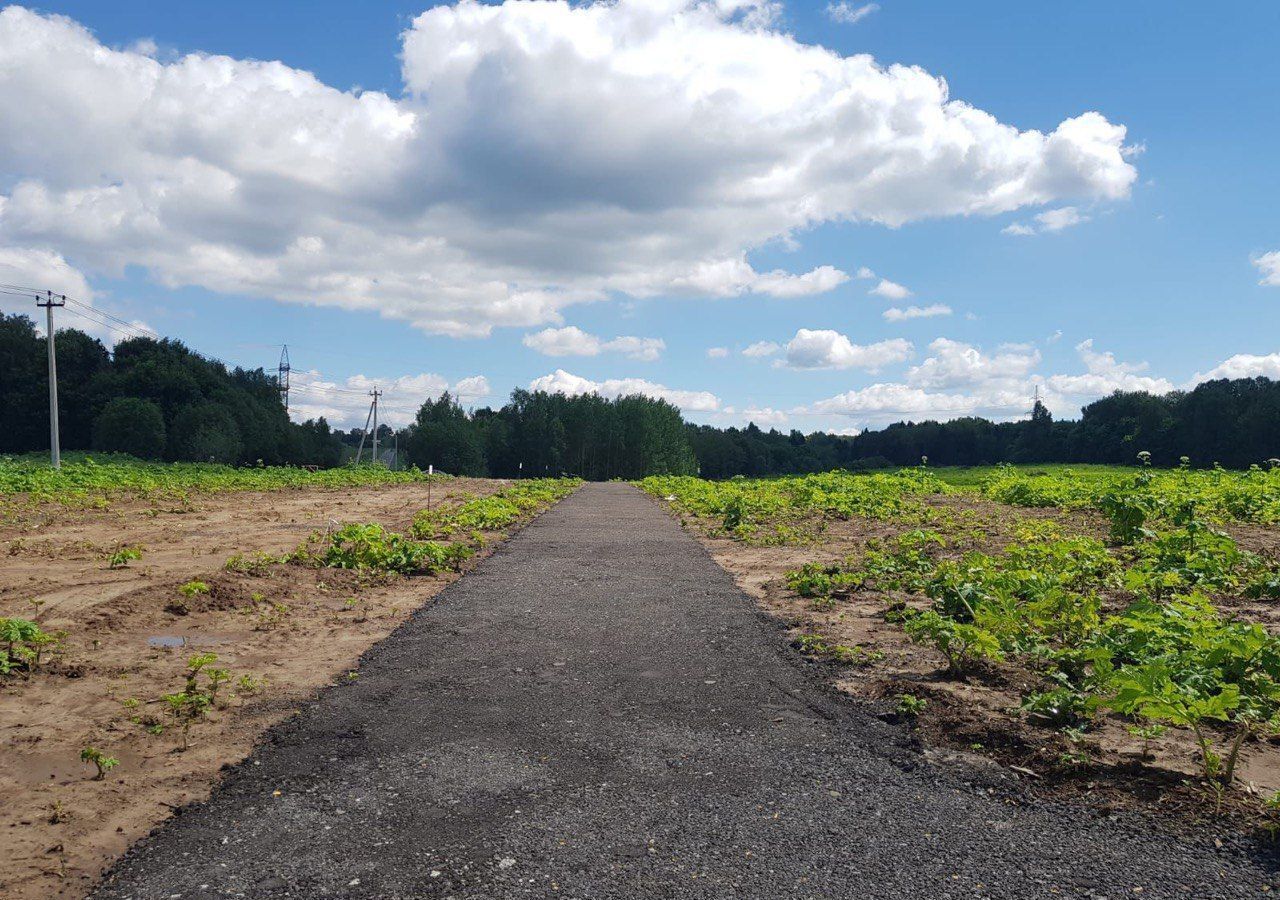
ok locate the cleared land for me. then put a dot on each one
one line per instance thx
(597, 711)
(279, 630)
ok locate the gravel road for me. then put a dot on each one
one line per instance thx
(596, 711)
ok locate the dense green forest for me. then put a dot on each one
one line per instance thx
(160, 400)
(1235, 423)
(154, 399)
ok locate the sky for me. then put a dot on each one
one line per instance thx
(808, 215)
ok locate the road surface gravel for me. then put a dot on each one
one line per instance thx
(596, 711)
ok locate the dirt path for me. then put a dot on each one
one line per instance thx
(596, 711)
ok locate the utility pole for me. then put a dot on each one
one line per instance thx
(375, 394)
(282, 378)
(55, 444)
(364, 434)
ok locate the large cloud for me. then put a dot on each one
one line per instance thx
(562, 382)
(542, 154)
(1242, 365)
(958, 379)
(957, 364)
(826, 349)
(345, 404)
(24, 270)
(1104, 374)
(573, 341)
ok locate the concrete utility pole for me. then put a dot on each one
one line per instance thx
(364, 434)
(55, 444)
(375, 394)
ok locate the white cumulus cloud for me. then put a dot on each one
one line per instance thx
(1242, 365)
(761, 349)
(345, 403)
(539, 155)
(1049, 221)
(890, 290)
(1269, 265)
(850, 13)
(25, 271)
(1104, 375)
(896, 314)
(894, 400)
(562, 382)
(573, 341)
(826, 349)
(957, 364)
(765, 416)
(472, 390)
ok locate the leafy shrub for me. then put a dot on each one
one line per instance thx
(775, 510)
(250, 564)
(193, 702)
(963, 645)
(495, 512)
(1133, 503)
(372, 547)
(1149, 691)
(122, 556)
(24, 642)
(100, 761)
(910, 705)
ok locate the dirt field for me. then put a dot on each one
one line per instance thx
(129, 632)
(979, 716)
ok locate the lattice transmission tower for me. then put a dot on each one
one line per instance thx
(282, 378)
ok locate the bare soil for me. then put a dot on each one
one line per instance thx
(979, 717)
(129, 633)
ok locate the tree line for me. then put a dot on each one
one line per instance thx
(157, 399)
(1231, 422)
(154, 399)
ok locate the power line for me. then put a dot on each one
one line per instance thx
(96, 315)
(116, 329)
(142, 329)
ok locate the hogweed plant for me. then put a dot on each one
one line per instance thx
(100, 761)
(122, 556)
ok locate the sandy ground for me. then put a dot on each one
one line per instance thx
(979, 716)
(290, 628)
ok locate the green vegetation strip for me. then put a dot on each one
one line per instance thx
(88, 478)
(372, 548)
(791, 509)
(1127, 626)
(1219, 495)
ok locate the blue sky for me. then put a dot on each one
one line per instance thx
(1159, 261)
